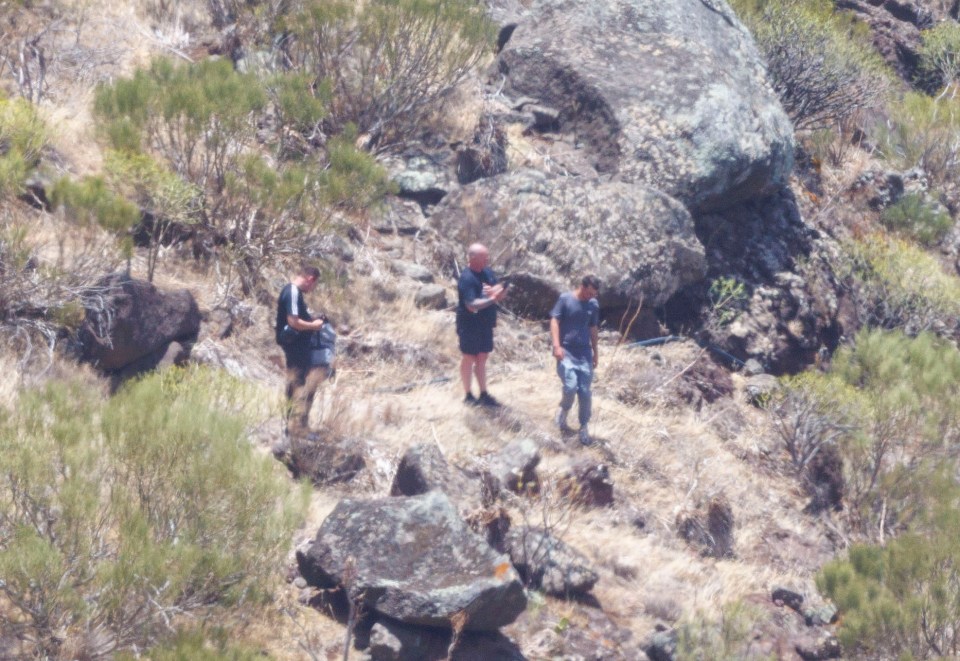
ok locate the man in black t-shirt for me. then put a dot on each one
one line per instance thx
(476, 316)
(294, 330)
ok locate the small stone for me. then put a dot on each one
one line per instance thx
(431, 297)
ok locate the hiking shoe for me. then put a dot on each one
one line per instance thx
(470, 400)
(585, 437)
(486, 400)
(560, 419)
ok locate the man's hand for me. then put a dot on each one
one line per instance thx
(558, 352)
(495, 292)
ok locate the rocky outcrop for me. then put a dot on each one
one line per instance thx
(423, 468)
(545, 232)
(133, 327)
(413, 559)
(896, 27)
(395, 641)
(548, 564)
(668, 94)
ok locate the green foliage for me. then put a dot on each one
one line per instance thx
(902, 600)
(115, 515)
(821, 65)
(898, 285)
(892, 405)
(354, 179)
(166, 197)
(200, 118)
(299, 102)
(90, 202)
(727, 298)
(921, 132)
(916, 218)
(390, 63)
(22, 138)
(940, 53)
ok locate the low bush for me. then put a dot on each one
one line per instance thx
(117, 515)
(923, 132)
(23, 136)
(917, 218)
(891, 404)
(901, 600)
(940, 55)
(895, 284)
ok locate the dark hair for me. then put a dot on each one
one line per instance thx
(590, 280)
(309, 271)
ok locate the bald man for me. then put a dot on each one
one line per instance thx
(476, 316)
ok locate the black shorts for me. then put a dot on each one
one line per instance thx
(474, 340)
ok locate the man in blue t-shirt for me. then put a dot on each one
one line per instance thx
(574, 323)
(294, 329)
(479, 294)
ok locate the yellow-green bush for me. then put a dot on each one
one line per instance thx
(940, 54)
(918, 218)
(891, 404)
(22, 138)
(897, 285)
(901, 600)
(922, 132)
(115, 515)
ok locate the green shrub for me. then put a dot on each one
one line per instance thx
(89, 202)
(921, 133)
(913, 216)
(390, 63)
(897, 285)
(901, 600)
(167, 198)
(354, 180)
(940, 54)
(725, 637)
(117, 515)
(820, 64)
(891, 404)
(199, 646)
(22, 138)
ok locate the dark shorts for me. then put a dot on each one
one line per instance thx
(475, 340)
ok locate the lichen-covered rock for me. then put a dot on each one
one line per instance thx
(546, 232)
(549, 564)
(137, 324)
(672, 94)
(395, 641)
(423, 468)
(413, 559)
(514, 466)
(431, 297)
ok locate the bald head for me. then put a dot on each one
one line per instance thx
(477, 257)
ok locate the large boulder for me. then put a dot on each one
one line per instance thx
(668, 93)
(414, 559)
(134, 323)
(547, 231)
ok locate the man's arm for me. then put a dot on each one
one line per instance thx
(298, 324)
(595, 344)
(555, 338)
(492, 294)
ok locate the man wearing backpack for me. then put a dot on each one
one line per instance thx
(295, 331)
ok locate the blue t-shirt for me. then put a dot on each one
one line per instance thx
(576, 318)
(470, 288)
(291, 302)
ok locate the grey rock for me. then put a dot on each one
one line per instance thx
(138, 325)
(411, 270)
(588, 483)
(546, 232)
(394, 641)
(413, 559)
(662, 645)
(514, 466)
(549, 564)
(669, 94)
(398, 216)
(753, 367)
(761, 387)
(431, 297)
(423, 468)
(423, 175)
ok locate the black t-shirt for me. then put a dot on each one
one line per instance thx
(291, 302)
(470, 288)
